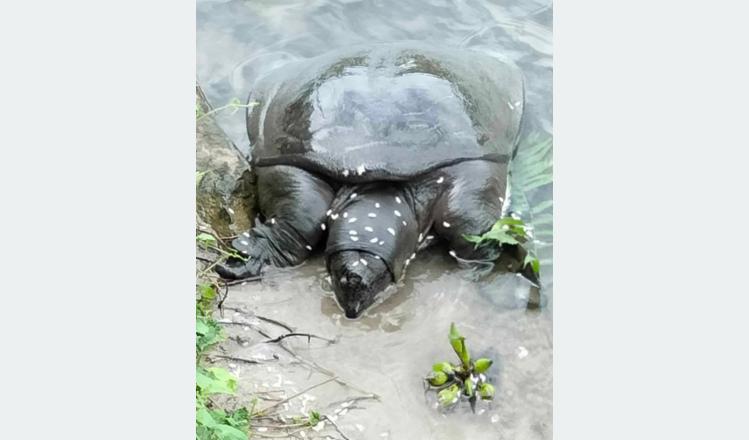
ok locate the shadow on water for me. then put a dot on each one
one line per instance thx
(389, 349)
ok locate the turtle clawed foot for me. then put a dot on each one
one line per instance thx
(236, 269)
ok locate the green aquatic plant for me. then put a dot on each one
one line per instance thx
(531, 176)
(464, 379)
(509, 231)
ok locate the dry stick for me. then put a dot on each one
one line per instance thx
(263, 318)
(308, 335)
(337, 428)
(352, 399)
(221, 303)
(273, 321)
(294, 425)
(285, 435)
(203, 259)
(264, 410)
(232, 358)
(244, 280)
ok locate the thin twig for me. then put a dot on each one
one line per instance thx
(285, 435)
(263, 318)
(238, 359)
(273, 321)
(221, 303)
(308, 335)
(335, 425)
(352, 399)
(265, 410)
(244, 280)
(295, 425)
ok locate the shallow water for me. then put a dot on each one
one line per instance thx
(395, 343)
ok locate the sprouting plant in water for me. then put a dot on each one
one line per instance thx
(465, 379)
(512, 231)
(234, 104)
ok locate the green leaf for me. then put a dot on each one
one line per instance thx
(482, 365)
(444, 367)
(240, 419)
(228, 432)
(533, 261)
(207, 332)
(437, 378)
(486, 391)
(473, 238)
(468, 386)
(314, 418)
(215, 381)
(448, 396)
(204, 417)
(206, 239)
(458, 343)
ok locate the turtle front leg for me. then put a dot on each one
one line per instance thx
(293, 203)
(471, 202)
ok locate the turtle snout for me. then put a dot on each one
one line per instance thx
(357, 279)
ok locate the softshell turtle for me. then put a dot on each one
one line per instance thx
(371, 153)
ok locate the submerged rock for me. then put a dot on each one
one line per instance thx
(225, 194)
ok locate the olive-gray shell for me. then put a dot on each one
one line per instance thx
(386, 112)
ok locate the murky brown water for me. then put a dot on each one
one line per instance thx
(393, 346)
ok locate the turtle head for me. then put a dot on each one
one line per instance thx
(357, 277)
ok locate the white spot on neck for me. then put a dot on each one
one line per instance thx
(441, 179)
(352, 232)
(334, 216)
(374, 240)
(391, 231)
(372, 215)
(345, 214)
(363, 261)
(351, 220)
(397, 213)
(322, 226)
(446, 224)
(354, 238)
(397, 200)
(360, 169)
(353, 195)
(377, 205)
(309, 248)
(368, 229)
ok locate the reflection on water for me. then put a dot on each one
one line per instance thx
(395, 343)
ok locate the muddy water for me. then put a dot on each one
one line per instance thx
(394, 344)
